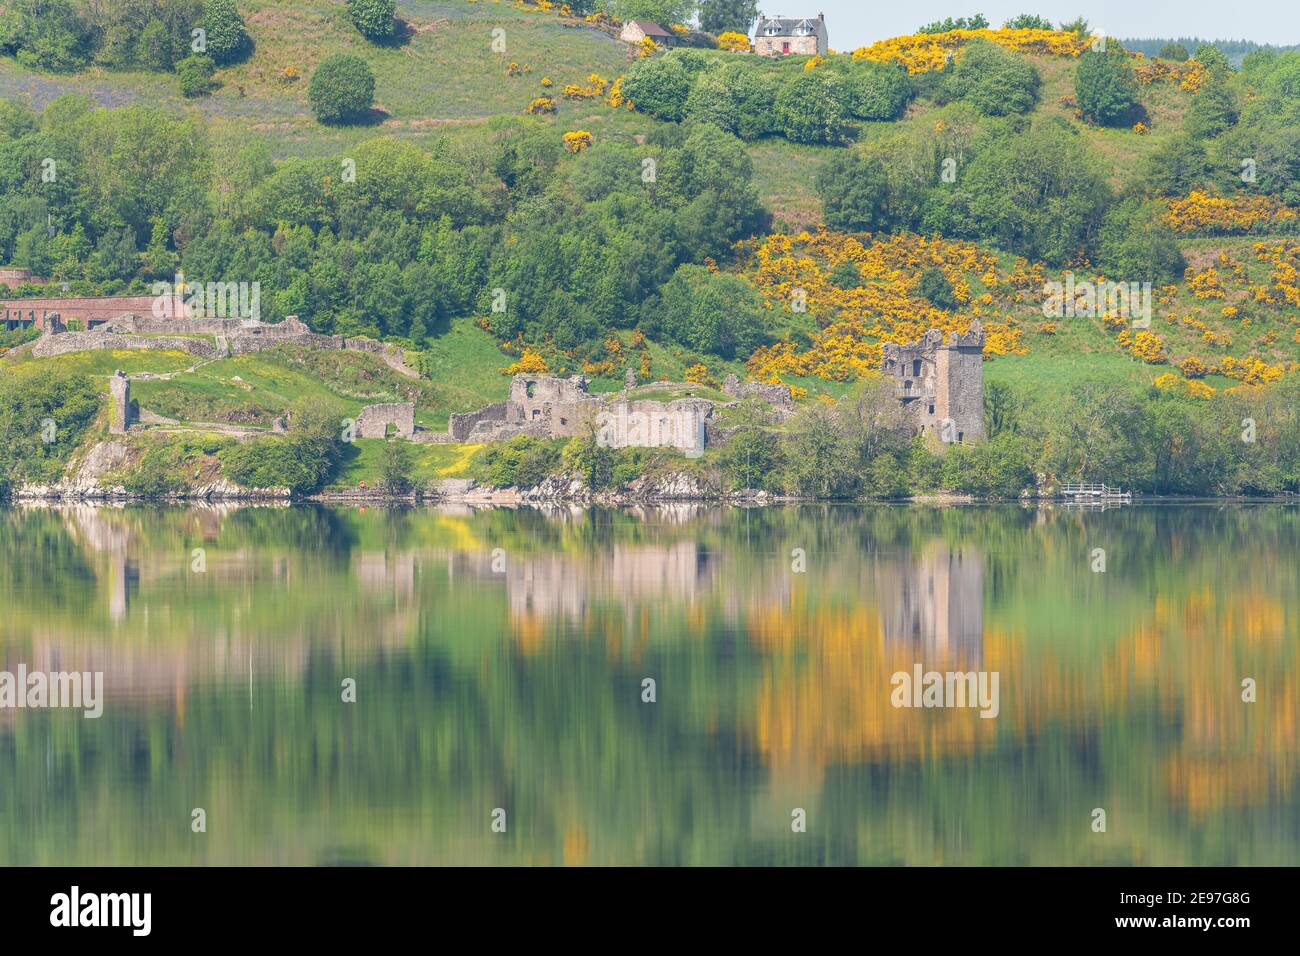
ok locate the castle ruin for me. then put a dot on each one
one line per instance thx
(119, 387)
(941, 385)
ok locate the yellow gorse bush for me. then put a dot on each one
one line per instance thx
(923, 52)
(577, 140)
(733, 41)
(1216, 215)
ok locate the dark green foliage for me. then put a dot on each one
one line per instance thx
(396, 469)
(1212, 57)
(47, 34)
(854, 190)
(44, 413)
(194, 74)
(342, 89)
(1174, 51)
(878, 91)
(723, 16)
(373, 18)
(1029, 21)
(1213, 111)
(227, 38)
(301, 461)
(999, 468)
(1104, 88)
(937, 289)
(1176, 168)
(712, 312)
(735, 97)
(1138, 246)
(591, 459)
(812, 107)
(995, 81)
(976, 22)
(658, 86)
(521, 462)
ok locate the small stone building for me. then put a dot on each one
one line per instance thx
(634, 31)
(941, 385)
(778, 36)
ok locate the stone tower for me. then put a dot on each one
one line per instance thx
(119, 387)
(941, 385)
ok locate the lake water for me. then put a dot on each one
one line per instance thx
(500, 661)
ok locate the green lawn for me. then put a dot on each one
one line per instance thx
(363, 462)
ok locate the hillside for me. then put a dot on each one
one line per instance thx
(625, 226)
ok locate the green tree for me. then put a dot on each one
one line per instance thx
(946, 25)
(995, 81)
(854, 190)
(722, 16)
(811, 107)
(878, 91)
(342, 89)
(374, 19)
(658, 86)
(1177, 167)
(1212, 58)
(1174, 51)
(1028, 21)
(227, 37)
(195, 75)
(1213, 111)
(1138, 246)
(154, 50)
(712, 312)
(396, 470)
(937, 289)
(735, 97)
(1104, 87)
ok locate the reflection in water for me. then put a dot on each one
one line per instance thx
(499, 659)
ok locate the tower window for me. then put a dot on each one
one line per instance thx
(931, 408)
(916, 367)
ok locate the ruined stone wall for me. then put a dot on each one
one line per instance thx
(462, 424)
(533, 396)
(67, 342)
(245, 344)
(777, 396)
(941, 383)
(148, 324)
(650, 424)
(374, 420)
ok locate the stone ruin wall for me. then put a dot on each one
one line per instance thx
(119, 387)
(650, 424)
(66, 342)
(374, 420)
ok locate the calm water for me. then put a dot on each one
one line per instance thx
(513, 679)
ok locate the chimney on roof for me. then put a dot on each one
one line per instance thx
(821, 16)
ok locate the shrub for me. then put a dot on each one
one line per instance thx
(658, 87)
(1213, 111)
(44, 412)
(854, 190)
(995, 81)
(227, 38)
(521, 462)
(1138, 246)
(373, 18)
(937, 289)
(342, 89)
(878, 91)
(154, 48)
(1174, 51)
(811, 108)
(194, 74)
(1104, 88)
(711, 312)
(301, 461)
(734, 97)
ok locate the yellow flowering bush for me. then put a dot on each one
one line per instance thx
(1192, 367)
(530, 363)
(615, 97)
(1202, 212)
(647, 47)
(1250, 370)
(1204, 284)
(698, 374)
(577, 140)
(541, 105)
(1169, 382)
(595, 88)
(736, 42)
(923, 52)
(1145, 345)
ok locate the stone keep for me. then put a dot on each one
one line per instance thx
(119, 387)
(941, 385)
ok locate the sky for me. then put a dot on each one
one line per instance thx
(854, 23)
